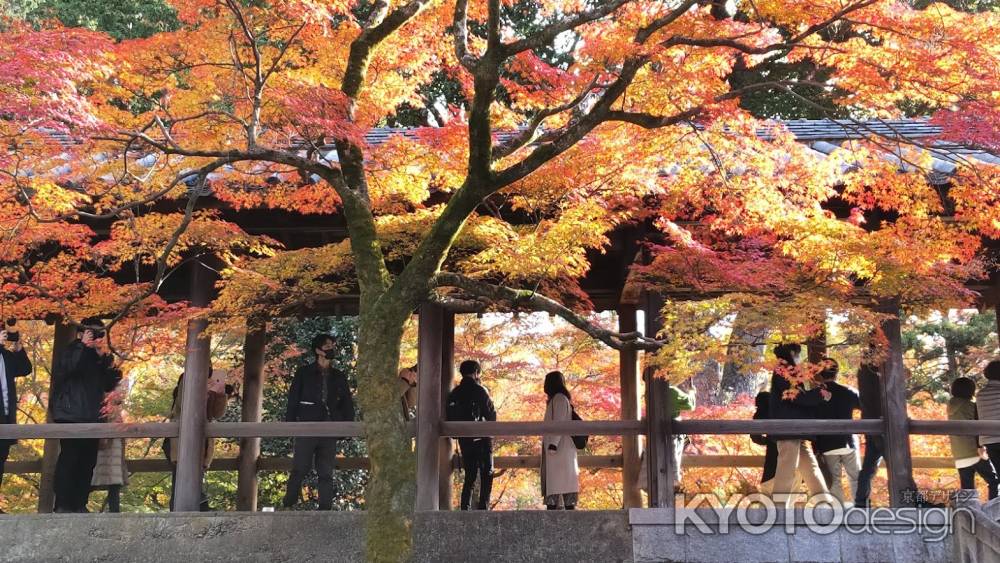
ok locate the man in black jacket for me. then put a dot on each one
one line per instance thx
(793, 401)
(319, 392)
(839, 450)
(470, 401)
(81, 376)
(14, 363)
(871, 407)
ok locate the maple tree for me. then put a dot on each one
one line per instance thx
(593, 115)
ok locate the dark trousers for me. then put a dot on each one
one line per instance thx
(477, 460)
(967, 476)
(869, 465)
(308, 452)
(4, 452)
(74, 471)
(993, 452)
(114, 497)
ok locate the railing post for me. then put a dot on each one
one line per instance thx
(660, 440)
(253, 398)
(896, 435)
(447, 381)
(628, 372)
(429, 356)
(193, 397)
(63, 335)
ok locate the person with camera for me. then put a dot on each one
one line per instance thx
(81, 376)
(14, 363)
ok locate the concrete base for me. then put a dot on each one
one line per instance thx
(302, 537)
(640, 535)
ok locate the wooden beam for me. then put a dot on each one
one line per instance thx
(159, 465)
(816, 426)
(628, 376)
(193, 397)
(253, 399)
(539, 428)
(896, 429)
(502, 429)
(284, 429)
(88, 430)
(446, 467)
(62, 336)
(429, 336)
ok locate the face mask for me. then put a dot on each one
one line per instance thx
(330, 354)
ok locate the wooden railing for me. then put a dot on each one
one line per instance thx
(494, 429)
(160, 465)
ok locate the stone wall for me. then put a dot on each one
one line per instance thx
(642, 536)
(303, 537)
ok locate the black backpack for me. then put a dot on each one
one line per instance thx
(462, 409)
(579, 441)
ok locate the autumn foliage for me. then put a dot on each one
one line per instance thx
(561, 124)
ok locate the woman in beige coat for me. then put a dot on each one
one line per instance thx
(560, 472)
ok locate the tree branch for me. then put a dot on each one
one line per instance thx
(460, 33)
(548, 34)
(537, 302)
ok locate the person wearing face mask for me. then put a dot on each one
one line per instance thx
(319, 392)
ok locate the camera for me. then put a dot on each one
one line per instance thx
(98, 334)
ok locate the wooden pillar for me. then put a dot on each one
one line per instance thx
(660, 438)
(193, 397)
(896, 434)
(997, 308)
(253, 398)
(628, 372)
(64, 334)
(445, 500)
(429, 355)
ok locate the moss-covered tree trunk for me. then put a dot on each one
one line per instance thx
(391, 490)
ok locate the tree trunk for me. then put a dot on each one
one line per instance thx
(391, 490)
(745, 348)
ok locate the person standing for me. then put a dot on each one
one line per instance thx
(870, 398)
(81, 376)
(110, 471)
(560, 471)
(216, 402)
(14, 363)
(470, 401)
(408, 392)
(319, 393)
(762, 402)
(965, 449)
(794, 453)
(839, 450)
(988, 408)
